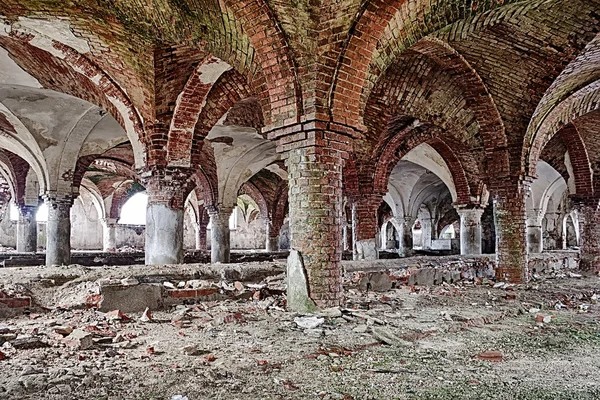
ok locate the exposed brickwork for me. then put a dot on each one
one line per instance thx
(589, 240)
(511, 231)
(367, 207)
(283, 105)
(167, 186)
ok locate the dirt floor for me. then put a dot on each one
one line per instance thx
(469, 340)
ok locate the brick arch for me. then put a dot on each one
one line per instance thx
(280, 206)
(224, 94)
(403, 142)
(382, 30)
(580, 161)
(67, 71)
(206, 184)
(279, 87)
(476, 94)
(121, 195)
(188, 107)
(249, 189)
(351, 186)
(19, 168)
(581, 102)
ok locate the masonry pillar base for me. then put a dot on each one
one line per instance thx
(109, 235)
(470, 231)
(58, 231)
(220, 241)
(366, 250)
(27, 230)
(589, 226)
(164, 214)
(164, 241)
(273, 243)
(511, 233)
(201, 237)
(406, 238)
(315, 209)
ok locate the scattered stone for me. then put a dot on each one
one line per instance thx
(117, 315)
(309, 322)
(334, 312)
(28, 342)
(130, 281)
(80, 339)
(239, 286)
(490, 355)
(385, 336)
(360, 328)
(193, 350)
(146, 316)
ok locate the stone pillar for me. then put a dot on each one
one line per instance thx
(109, 234)
(551, 233)
(534, 231)
(364, 214)
(589, 237)
(58, 231)
(426, 228)
(511, 232)
(27, 230)
(470, 230)
(164, 214)
(272, 234)
(315, 201)
(406, 237)
(201, 235)
(345, 245)
(220, 240)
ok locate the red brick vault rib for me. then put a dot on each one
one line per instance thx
(63, 69)
(279, 88)
(382, 30)
(189, 105)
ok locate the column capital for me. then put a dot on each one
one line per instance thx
(469, 212)
(166, 185)
(534, 217)
(109, 221)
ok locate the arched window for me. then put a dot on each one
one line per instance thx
(133, 211)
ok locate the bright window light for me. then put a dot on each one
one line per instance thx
(40, 216)
(42, 213)
(134, 210)
(14, 212)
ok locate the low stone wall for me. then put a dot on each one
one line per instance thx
(432, 270)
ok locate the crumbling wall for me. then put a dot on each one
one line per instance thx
(86, 229)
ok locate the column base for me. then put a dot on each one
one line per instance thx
(164, 235)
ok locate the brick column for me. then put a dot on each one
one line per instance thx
(58, 230)
(470, 230)
(201, 235)
(534, 231)
(589, 237)
(511, 234)
(406, 237)
(166, 189)
(27, 229)
(314, 158)
(364, 214)
(220, 235)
